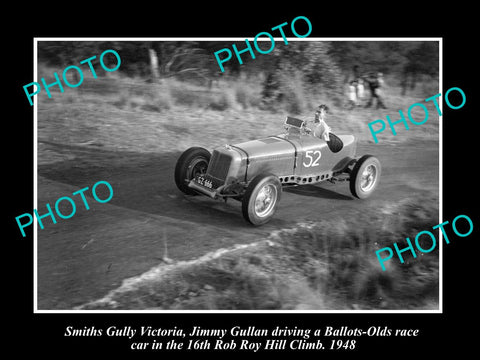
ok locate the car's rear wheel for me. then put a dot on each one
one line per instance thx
(365, 176)
(193, 162)
(261, 198)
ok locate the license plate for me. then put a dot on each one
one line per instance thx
(204, 182)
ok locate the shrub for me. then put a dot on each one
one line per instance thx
(247, 95)
(223, 101)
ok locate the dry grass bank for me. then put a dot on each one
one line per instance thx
(315, 266)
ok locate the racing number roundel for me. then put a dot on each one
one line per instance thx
(311, 158)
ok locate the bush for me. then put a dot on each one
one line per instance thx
(247, 94)
(148, 97)
(223, 101)
(182, 96)
(290, 96)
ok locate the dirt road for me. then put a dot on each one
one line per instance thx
(82, 258)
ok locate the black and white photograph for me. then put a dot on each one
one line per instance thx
(212, 180)
(176, 186)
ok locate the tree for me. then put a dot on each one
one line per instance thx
(423, 59)
(302, 68)
(176, 58)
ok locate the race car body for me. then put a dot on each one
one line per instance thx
(255, 171)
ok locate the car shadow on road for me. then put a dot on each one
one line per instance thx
(140, 181)
(317, 191)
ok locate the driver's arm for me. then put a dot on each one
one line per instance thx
(326, 132)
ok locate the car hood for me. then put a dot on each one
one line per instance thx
(266, 147)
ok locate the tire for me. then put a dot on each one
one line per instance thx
(194, 161)
(266, 188)
(365, 176)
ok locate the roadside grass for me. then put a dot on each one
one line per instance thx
(315, 266)
(244, 91)
(173, 115)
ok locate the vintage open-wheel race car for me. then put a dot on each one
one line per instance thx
(254, 172)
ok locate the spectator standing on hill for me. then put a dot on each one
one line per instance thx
(351, 81)
(352, 95)
(360, 91)
(375, 83)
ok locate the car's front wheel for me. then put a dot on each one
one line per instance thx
(191, 163)
(261, 198)
(365, 176)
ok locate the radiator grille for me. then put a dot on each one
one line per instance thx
(219, 165)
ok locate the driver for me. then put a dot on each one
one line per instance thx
(320, 127)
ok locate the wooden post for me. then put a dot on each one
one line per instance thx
(154, 64)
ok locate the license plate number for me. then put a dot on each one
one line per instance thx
(204, 182)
